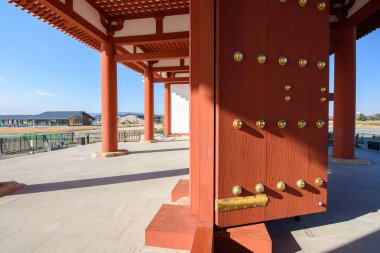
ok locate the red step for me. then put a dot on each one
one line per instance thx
(172, 227)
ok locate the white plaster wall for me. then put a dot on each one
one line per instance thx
(132, 27)
(89, 13)
(180, 109)
(176, 23)
(182, 75)
(168, 63)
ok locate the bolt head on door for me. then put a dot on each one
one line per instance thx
(260, 188)
(260, 123)
(321, 64)
(237, 124)
(238, 56)
(302, 62)
(300, 184)
(261, 58)
(237, 190)
(281, 123)
(282, 60)
(302, 2)
(320, 123)
(319, 182)
(281, 186)
(302, 123)
(321, 6)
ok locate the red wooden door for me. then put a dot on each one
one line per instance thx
(249, 90)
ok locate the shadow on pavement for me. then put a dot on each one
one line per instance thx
(82, 183)
(353, 192)
(157, 150)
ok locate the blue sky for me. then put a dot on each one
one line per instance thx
(43, 69)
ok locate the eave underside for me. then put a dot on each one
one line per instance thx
(61, 15)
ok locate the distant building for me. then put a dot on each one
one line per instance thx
(57, 118)
(137, 118)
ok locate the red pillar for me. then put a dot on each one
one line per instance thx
(149, 105)
(109, 96)
(167, 112)
(345, 95)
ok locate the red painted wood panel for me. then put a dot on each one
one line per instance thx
(249, 91)
(240, 95)
(317, 149)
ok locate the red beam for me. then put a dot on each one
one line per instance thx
(172, 80)
(67, 13)
(137, 66)
(152, 38)
(153, 56)
(363, 13)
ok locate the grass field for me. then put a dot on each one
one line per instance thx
(58, 129)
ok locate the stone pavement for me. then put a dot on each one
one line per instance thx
(352, 221)
(73, 203)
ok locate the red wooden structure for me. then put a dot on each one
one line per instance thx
(259, 100)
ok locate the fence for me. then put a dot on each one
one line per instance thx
(38, 142)
(361, 139)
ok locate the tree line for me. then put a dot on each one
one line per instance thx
(363, 117)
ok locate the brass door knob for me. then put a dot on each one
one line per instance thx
(302, 2)
(260, 123)
(261, 58)
(319, 182)
(238, 56)
(237, 190)
(260, 188)
(320, 123)
(321, 64)
(301, 184)
(281, 186)
(282, 60)
(302, 123)
(302, 62)
(237, 124)
(281, 123)
(321, 5)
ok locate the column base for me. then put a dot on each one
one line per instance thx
(9, 187)
(181, 189)
(173, 227)
(148, 141)
(360, 162)
(101, 154)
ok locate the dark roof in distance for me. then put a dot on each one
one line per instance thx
(52, 115)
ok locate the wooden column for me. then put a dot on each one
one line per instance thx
(149, 105)
(345, 95)
(109, 96)
(202, 69)
(167, 111)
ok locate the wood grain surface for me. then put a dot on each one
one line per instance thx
(249, 91)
